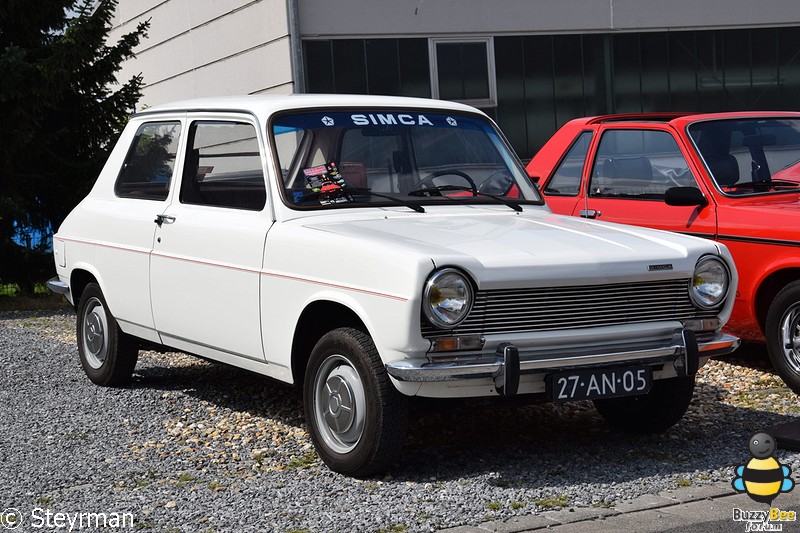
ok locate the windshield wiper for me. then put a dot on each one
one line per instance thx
(763, 185)
(502, 199)
(363, 190)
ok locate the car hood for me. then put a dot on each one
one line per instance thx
(774, 217)
(530, 248)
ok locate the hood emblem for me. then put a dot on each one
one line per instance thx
(651, 268)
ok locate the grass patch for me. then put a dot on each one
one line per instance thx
(602, 505)
(183, 479)
(397, 528)
(217, 487)
(306, 461)
(551, 503)
(12, 299)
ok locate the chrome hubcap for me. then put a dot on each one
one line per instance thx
(340, 411)
(95, 333)
(790, 336)
(339, 404)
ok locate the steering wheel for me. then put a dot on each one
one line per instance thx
(498, 183)
(427, 181)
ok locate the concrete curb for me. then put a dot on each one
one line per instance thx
(648, 513)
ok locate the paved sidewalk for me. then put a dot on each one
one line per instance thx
(691, 509)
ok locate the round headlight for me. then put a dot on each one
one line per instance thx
(709, 283)
(447, 298)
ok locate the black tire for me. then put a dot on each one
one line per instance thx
(108, 355)
(654, 412)
(783, 335)
(356, 417)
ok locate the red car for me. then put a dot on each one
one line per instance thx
(731, 177)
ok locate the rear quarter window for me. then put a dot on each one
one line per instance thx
(147, 171)
(566, 179)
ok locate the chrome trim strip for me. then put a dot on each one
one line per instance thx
(422, 370)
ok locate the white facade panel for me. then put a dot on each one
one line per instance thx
(250, 72)
(323, 18)
(127, 11)
(263, 70)
(205, 48)
(691, 14)
(238, 31)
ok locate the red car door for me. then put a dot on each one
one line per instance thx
(628, 173)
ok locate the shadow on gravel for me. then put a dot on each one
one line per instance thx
(510, 444)
(226, 386)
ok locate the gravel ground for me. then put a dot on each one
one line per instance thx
(195, 446)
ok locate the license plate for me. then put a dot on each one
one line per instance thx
(599, 383)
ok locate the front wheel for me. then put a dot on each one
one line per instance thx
(656, 411)
(783, 335)
(108, 355)
(356, 417)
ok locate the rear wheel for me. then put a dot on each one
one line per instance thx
(356, 417)
(656, 411)
(108, 355)
(783, 335)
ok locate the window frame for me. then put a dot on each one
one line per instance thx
(604, 134)
(489, 102)
(554, 175)
(131, 149)
(184, 188)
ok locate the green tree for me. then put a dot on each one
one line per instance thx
(61, 107)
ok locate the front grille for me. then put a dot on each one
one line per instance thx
(555, 308)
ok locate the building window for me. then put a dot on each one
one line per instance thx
(368, 66)
(462, 70)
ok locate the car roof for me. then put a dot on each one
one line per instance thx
(680, 118)
(265, 105)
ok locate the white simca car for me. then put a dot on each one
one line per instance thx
(377, 248)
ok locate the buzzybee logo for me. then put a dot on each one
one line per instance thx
(763, 478)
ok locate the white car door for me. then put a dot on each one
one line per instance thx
(123, 226)
(207, 258)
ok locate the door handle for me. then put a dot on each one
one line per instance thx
(164, 219)
(589, 213)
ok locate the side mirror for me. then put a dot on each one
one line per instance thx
(685, 196)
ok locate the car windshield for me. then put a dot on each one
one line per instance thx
(401, 158)
(750, 155)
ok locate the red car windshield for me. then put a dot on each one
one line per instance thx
(750, 155)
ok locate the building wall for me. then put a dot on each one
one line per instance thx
(201, 48)
(551, 60)
(347, 18)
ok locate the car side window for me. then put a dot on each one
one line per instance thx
(223, 166)
(566, 180)
(639, 164)
(147, 171)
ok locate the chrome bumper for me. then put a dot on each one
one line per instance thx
(507, 364)
(57, 286)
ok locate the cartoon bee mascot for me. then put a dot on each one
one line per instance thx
(763, 477)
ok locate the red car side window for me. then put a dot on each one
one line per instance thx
(638, 164)
(566, 180)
